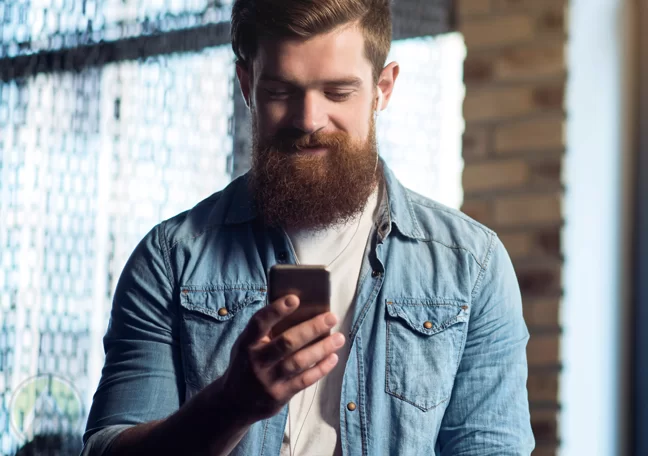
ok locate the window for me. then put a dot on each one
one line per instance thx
(116, 115)
(420, 133)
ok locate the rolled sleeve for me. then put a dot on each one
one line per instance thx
(488, 413)
(142, 378)
(98, 444)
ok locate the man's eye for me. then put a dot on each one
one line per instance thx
(277, 93)
(338, 96)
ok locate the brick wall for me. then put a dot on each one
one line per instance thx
(513, 146)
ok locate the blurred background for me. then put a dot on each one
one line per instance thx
(525, 114)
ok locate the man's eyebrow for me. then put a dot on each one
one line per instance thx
(350, 81)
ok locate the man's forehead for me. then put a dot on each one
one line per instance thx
(336, 55)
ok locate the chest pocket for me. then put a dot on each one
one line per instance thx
(424, 339)
(212, 320)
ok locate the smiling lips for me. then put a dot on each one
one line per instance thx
(312, 150)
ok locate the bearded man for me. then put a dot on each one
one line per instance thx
(426, 352)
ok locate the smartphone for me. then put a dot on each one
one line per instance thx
(311, 284)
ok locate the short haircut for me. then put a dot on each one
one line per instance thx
(253, 19)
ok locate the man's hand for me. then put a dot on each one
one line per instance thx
(265, 373)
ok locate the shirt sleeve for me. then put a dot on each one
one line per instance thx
(142, 377)
(488, 412)
(99, 443)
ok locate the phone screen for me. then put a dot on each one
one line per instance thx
(311, 284)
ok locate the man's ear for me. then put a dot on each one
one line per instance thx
(387, 81)
(243, 76)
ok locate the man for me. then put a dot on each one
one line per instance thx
(427, 349)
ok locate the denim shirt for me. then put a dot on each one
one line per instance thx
(437, 360)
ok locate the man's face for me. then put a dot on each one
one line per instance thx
(323, 85)
(312, 103)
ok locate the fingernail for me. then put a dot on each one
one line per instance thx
(292, 301)
(333, 359)
(338, 339)
(330, 319)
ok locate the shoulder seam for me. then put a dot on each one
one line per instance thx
(213, 199)
(458, 247)
(487, 256)
(458, 214)
(162, 243)
(193, 236)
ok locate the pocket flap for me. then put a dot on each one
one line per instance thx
(428, 317)
(212, 300)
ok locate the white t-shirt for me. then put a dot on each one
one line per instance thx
(319, 435)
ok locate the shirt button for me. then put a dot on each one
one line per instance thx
(283, 256)
(222, 311)
(351, 406)
(427, 325)
(375, 274)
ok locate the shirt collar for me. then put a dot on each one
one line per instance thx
(395, 207)
(399, 206)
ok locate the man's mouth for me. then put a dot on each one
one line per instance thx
(315, 150)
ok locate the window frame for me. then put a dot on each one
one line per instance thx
(639, 395)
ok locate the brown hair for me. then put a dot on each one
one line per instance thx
(252, 19)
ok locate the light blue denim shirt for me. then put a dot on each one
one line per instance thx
(457, 387)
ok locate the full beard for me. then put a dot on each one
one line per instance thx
(305, 191)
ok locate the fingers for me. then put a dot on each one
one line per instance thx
(312, 375)
(262, 322)
(295, 338)
(273, 369)
(308, 357)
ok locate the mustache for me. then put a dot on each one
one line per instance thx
(287, 140)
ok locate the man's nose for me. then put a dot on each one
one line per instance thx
(310, 113)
